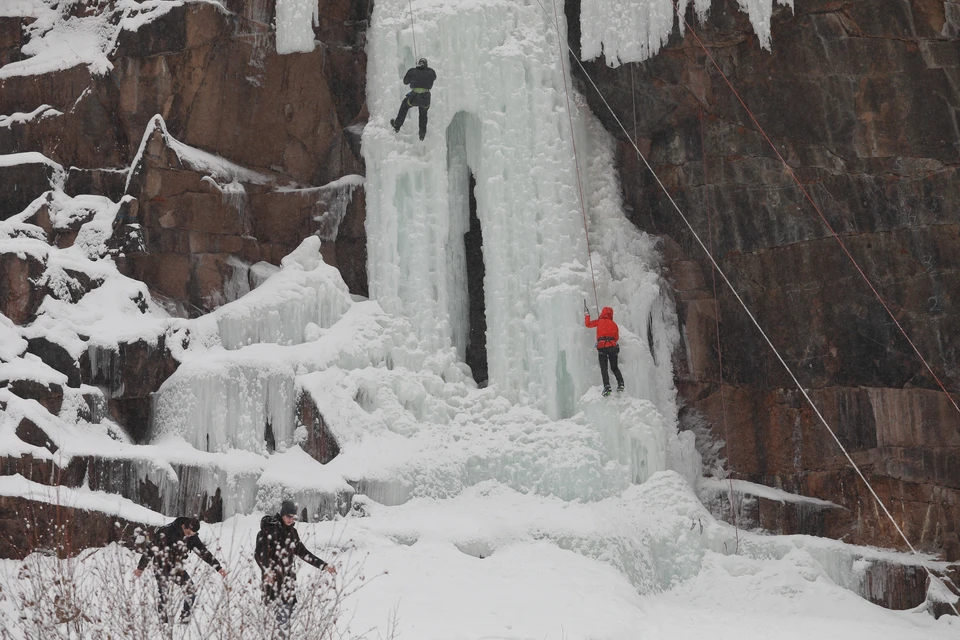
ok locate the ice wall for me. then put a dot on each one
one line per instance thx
(280, 308)
(499, 112)
(634, 30)
(295, 20)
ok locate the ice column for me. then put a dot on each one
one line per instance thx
(221, 403)
(497, 111)
(295, 20)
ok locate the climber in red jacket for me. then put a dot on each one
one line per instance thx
(607, 335)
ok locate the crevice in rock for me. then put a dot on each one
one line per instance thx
(476, 356)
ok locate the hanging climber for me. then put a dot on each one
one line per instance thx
(608, 333)
(420, 79)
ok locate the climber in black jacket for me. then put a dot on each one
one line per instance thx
(277, 544)
(420, 79)
(167, 549)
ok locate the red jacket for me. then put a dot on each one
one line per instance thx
(607, 330)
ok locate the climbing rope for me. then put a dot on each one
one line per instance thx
(713, 276)
(413, 30)
(743, 304)
(576, 159)
(633, 99)
(817, 209)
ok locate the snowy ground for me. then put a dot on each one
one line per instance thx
(494, 564)
(531, 508)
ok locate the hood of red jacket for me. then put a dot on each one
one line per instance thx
(606, 313)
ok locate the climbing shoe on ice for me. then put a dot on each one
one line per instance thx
(422, 136)
(619, 388)
(393, 123)
(606, 391)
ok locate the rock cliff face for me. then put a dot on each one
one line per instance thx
(862, 100)
(235, 155)
(214, 78)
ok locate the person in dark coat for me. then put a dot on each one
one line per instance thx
(167, 549)
(420, 79)
(608, 334)
(278, 543)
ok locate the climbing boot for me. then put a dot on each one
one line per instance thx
(619, 388)
(606, 391)
(393, 123)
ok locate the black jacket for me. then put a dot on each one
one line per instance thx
(167, 549)
(277, 544)
(420, 78)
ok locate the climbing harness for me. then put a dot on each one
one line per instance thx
(736, 294)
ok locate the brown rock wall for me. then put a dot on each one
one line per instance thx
(219, 84)
(29, 525)
(215, 78)
(320, 443)
(20, 295)
(861, 99)
(23, 183)
(196, 237)
(11, 38)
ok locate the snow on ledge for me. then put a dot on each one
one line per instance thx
(350, 181)
(41, 112)
(763, 491)
(21, 8)
(296, 470)
(28, 157)
(58, 41)
(17, 486)
(218, 167)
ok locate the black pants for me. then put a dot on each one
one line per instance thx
(180, 578)
(281, 596)
(413, 99)
(609, 354)
(284, 612)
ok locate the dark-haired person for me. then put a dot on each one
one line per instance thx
(278, 544)
(420, 79)
(167, 549)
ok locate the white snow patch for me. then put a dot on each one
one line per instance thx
(41, 112)
(11, 343)
(109, 503)
(58, 41)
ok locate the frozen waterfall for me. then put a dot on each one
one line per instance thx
(499, 113)
(388, 378)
